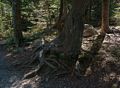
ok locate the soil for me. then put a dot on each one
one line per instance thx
(8, 73)
(103, 73)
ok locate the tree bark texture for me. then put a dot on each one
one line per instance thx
(17, 21)
(71, 36)
(105, 16)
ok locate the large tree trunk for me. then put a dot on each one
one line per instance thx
(17, 22)
(68, 43)
(71, 36)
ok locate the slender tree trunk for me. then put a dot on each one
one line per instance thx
(105, 16)
(104, 27)
(61, 9)
(59, 25)
(97, 44)
(17, 22)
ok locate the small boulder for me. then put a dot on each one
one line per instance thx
(89, 31)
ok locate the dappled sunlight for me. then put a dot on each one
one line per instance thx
(59, 44)
(9, 54)
(28, 83)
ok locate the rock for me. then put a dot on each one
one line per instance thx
(88, 26)
(89, 31)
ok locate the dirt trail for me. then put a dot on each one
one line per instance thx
(8, 74)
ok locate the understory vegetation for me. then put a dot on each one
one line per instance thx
(63, 38)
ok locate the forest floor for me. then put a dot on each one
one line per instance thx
(8, 73)
(103, 73)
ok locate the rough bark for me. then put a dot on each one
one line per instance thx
(17, 21)
(71, 36)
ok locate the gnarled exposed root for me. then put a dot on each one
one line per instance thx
(31, 74)
(49, 61)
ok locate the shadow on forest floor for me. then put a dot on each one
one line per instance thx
(104, 73)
